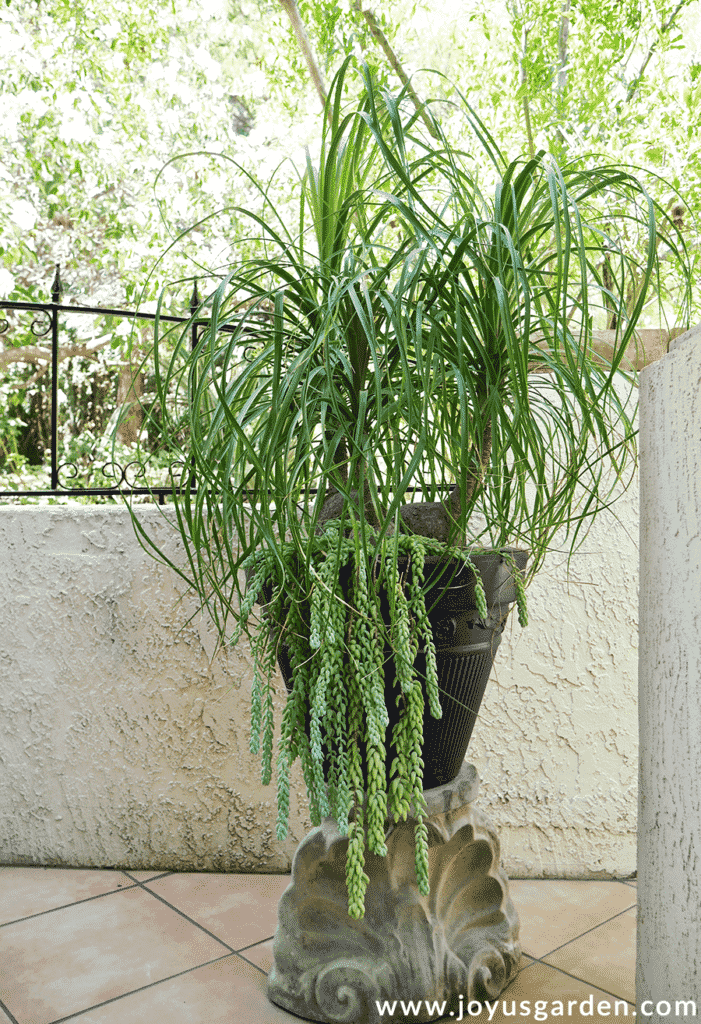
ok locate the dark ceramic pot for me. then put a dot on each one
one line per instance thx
(465, 649)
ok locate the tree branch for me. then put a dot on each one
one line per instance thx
(633, 87)
(303, 39)
(384, 43)
(524, 86)
(35, 353)
(21, 385)
(562, 38)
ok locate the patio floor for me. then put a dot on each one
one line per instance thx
(139, 947)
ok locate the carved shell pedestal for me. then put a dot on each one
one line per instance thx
(457, 944)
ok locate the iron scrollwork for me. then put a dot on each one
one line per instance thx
(70, 477)
(36, 326)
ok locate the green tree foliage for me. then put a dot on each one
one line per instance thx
(120, 122)
(96, 98)
(581, 79)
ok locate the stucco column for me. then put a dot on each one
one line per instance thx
(669, 795)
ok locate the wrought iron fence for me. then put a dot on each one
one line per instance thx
(65, 474)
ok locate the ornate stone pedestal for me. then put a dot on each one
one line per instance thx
(457, 944)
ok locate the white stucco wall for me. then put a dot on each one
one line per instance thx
(669, 840)
(121, 743)
(556, 746)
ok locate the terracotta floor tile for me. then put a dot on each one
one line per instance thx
(70, 959)
(555, 911)
(229, 991)
(239, 909)
(260, 955)
(604, 957)
(111, 959)
(27, 891)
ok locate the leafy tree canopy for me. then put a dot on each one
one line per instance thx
(131, 131)
(97, 97)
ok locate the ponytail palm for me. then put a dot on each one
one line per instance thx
(384, 350)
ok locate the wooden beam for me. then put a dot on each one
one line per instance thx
(647, 346)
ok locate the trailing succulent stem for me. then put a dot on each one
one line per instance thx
(519, 587)
(328, 614)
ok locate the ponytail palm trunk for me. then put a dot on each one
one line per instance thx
(380, 352)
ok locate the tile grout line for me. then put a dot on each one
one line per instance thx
(543, 961)
(12, 1019)
(241, 953)
(65, 906)
(142, 885)
(540, 960)
(137, 885)
(153, 878)
(252, 945)
(585, 981)
(87, 899)
(182, 913)
(238, 951)
(588, 931)
(143, 988)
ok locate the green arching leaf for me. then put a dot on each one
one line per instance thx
(389, 357)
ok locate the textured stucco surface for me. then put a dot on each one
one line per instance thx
(556, 743)
(669, 840)
(121, 742)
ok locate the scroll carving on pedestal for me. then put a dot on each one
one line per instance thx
(459, 941)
